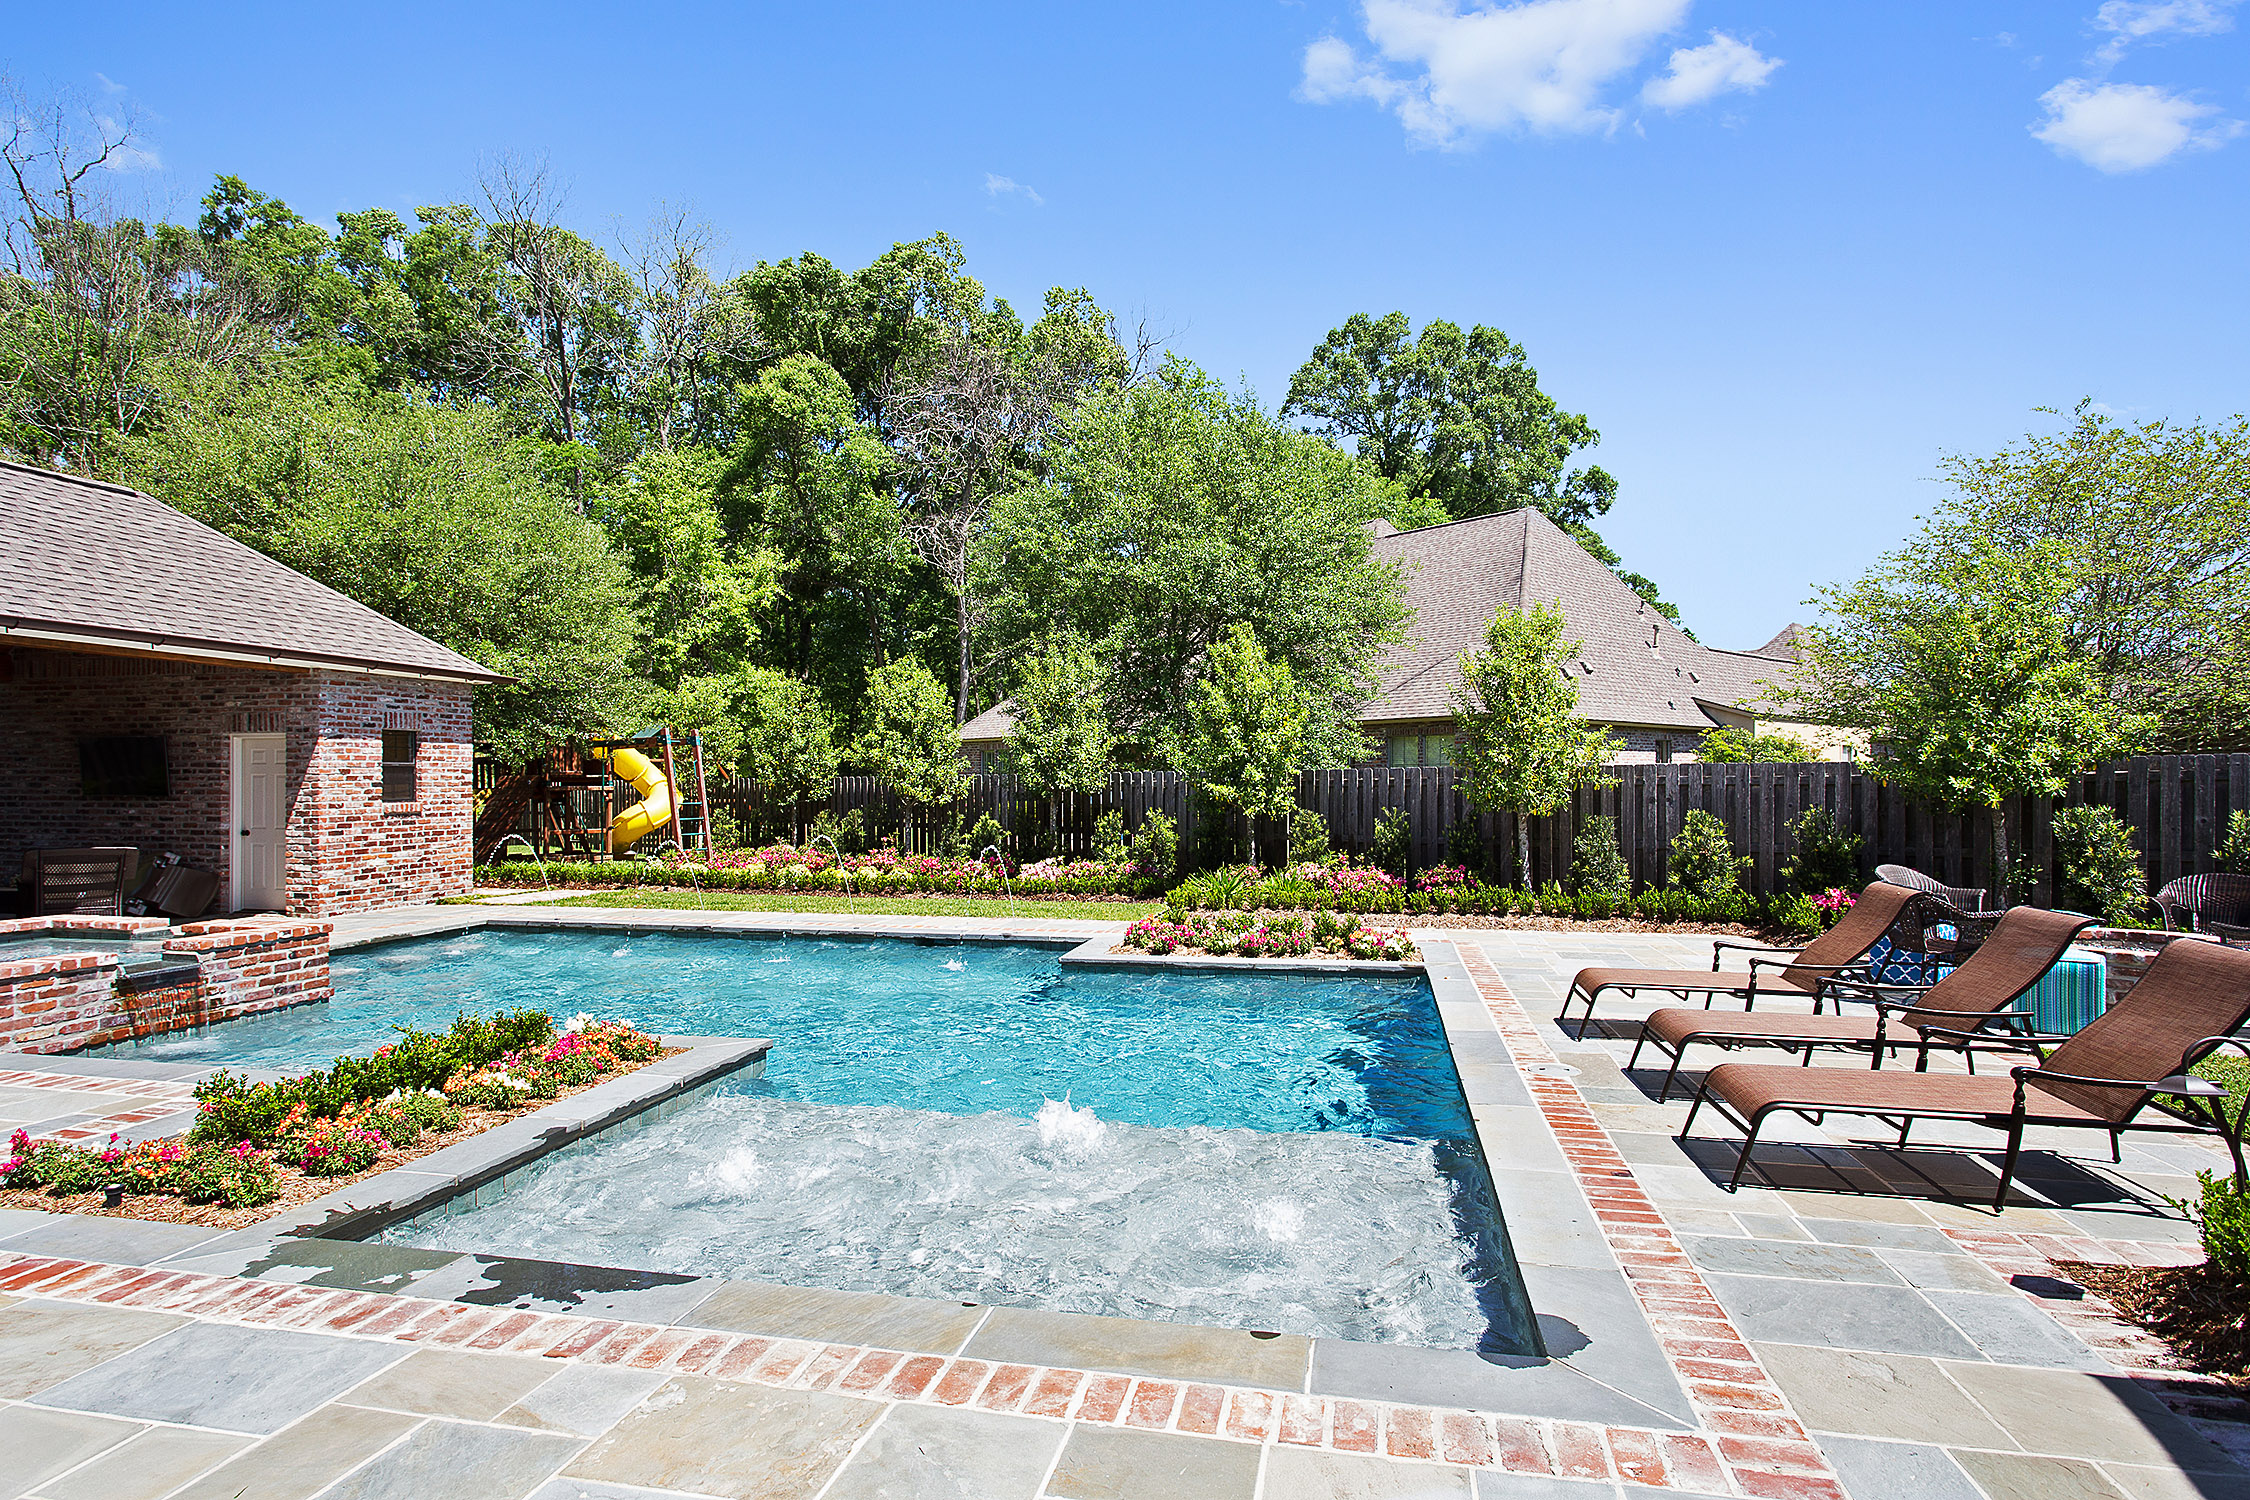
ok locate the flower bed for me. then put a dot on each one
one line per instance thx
(1451, 891)
(294, 1139)
(884, 872)
(1266, 934)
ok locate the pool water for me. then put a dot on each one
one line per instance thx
(966, 1120)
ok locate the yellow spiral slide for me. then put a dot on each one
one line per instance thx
(652, 812)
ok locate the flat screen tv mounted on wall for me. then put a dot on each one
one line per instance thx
(123, 765)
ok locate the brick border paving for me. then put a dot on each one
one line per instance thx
(1758, 1440)
(1509, 1444)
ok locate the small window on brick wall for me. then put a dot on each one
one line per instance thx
(399, 747)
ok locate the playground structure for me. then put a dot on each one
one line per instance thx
(545, 804)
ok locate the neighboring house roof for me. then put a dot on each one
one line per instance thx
(98, 566)
(993, 725)
(1634, 666)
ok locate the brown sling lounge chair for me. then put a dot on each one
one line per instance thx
(2193, 998)
(1978, 994)
(1794, 972)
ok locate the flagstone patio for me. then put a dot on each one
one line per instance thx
(1849, 1327)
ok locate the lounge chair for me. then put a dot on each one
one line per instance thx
(2188, 1005)
(2198, 903)
(77, 882)
(1971, 998)
(1881, 910)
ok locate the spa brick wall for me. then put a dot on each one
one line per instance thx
(66, 1001)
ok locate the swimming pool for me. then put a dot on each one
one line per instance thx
(974, 1121)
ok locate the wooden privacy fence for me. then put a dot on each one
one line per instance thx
(2177, 805)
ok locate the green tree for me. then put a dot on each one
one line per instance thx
(437, 516)
(1729, 745)
(1062, 740)
(2147, 527)
(1246, 736)
(909, 737)
(787, 741)
(1961, 671)
(1170, 514)
(805, 481)
(1456, 416)
(1519, 742)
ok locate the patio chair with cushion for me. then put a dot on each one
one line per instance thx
(2198, 903)
(1880, 911)
(2107, 1077)
(1978, 916)
(1976, 996)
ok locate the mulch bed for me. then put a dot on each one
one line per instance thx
(2202, 1315)
(296, 1185)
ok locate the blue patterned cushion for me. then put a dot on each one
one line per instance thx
(1891, 964)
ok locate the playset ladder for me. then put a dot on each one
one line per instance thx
(692, 823)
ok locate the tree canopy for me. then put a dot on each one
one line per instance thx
(1962, 673)
(1172, 512)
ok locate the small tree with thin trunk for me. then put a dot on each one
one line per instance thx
(1062, 741)
(1246, 732)
(1520, 742)
(909, 738)
(1960, 670)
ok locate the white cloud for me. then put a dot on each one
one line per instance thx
(1536, 65)
(108, 85)
(2124, 127)
(996, 186)
(2130, 21)
(1698, 74)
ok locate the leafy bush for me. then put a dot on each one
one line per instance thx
(1464, 846)
(1725, 745)
(1827, 854)
(1156, 848)
(239, 1176)
(1110, 842)
(1392, 844)
(1702, 862)
(848, 833)
(2233, 850)
(53, 1165)
(335, 1149)
(2096, 870)
(1308, 837)
(2222, 1219)
(1597, 864)
(1797, 914)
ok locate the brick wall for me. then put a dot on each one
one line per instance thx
(49, 700)
(62, 1002)
(347, 849)
(366, 853)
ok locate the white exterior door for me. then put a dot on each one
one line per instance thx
(261, 818)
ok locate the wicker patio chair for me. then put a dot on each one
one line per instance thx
(1880, 911)
(78, 882)
(2230, 934)
(2107, 1077)
(1977, 915)
(2204, 900)
(1977, 995)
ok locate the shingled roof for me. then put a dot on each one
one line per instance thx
(98, 566)
(1634, 667)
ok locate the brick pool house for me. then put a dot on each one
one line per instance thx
(166, 688)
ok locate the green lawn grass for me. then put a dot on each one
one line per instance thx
(875, 906)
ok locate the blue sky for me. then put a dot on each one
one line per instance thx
(1783, 255)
